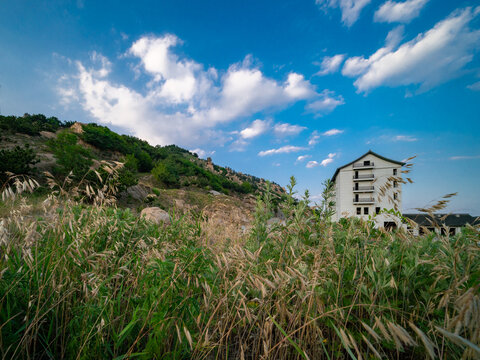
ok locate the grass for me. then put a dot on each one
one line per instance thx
(83, 281)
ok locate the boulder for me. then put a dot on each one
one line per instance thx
(214, 193)
(155, 215)
(138, 192)
(48, 134)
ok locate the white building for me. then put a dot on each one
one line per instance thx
(367, 186)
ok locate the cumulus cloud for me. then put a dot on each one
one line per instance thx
(182, 102)
(283, 150)
(392, 11)
(324, 162)
(350, 8)
(407, 138)
(330, 64)
(202, 153)
(332, 132)
(326, 103)
(302, 158)
(257, 128)
(316, 136)
(287, 129)
(430, 59)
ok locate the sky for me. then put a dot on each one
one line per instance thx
(268, 88)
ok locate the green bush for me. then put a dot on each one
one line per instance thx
(19, 161)
(104, 139)
(31, 124)
(70, 156)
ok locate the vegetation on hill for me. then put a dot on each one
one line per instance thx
(79, 150)
(94, 281)
(31, 124)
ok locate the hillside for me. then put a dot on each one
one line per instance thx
(60, 147)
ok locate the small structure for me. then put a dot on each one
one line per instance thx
(440, 223)
(366, 186)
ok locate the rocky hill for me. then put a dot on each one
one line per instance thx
(168, 177)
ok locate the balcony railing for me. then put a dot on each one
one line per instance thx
(361, 165)
(363, 177)
(363, 201)
(363, 188)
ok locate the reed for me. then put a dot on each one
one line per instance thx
(83, 279)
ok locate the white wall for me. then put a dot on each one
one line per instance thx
(344, 184)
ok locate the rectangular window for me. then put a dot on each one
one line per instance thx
(359, 211)
(365, 210)
(366, 162)
(394, 171)
(377, 210)
(395, 184)
(395, 196)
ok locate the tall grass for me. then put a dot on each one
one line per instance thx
(86, 281)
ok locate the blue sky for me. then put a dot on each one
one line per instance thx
(269, 88)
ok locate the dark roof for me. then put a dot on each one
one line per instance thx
(370, 152)
(451, 220)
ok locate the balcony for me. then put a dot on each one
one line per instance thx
(358, 189)
(363, 177)
(363, 201)
(363, 165)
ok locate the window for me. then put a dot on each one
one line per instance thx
(395, 196)
(377, 210)
(394, 171)
(359, 211)
(365, 210)
(366, 162)
(395, 184)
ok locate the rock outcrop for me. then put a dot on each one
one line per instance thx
(155, 215)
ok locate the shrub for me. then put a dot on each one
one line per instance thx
(31, 124)
(19, 161)
(165, 174)
(71, 157)
(103, 138)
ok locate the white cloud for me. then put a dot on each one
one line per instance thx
(430, 59)
(330, 64)
(407, 138)
(314, 138)
(464, 157)
(328, 160)
(257, 128)
(332, 132)
(324, 162)
(392, 11)
(283, 150)
(182, 102)
(302, 158)
(287, 129)
(326, 103)
(350, 8)
(202, 154)
(474, 86)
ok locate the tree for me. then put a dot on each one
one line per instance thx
(70, 156)
(19, 161)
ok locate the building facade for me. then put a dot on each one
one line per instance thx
(367, 186)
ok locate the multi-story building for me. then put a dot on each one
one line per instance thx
(367, 186)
